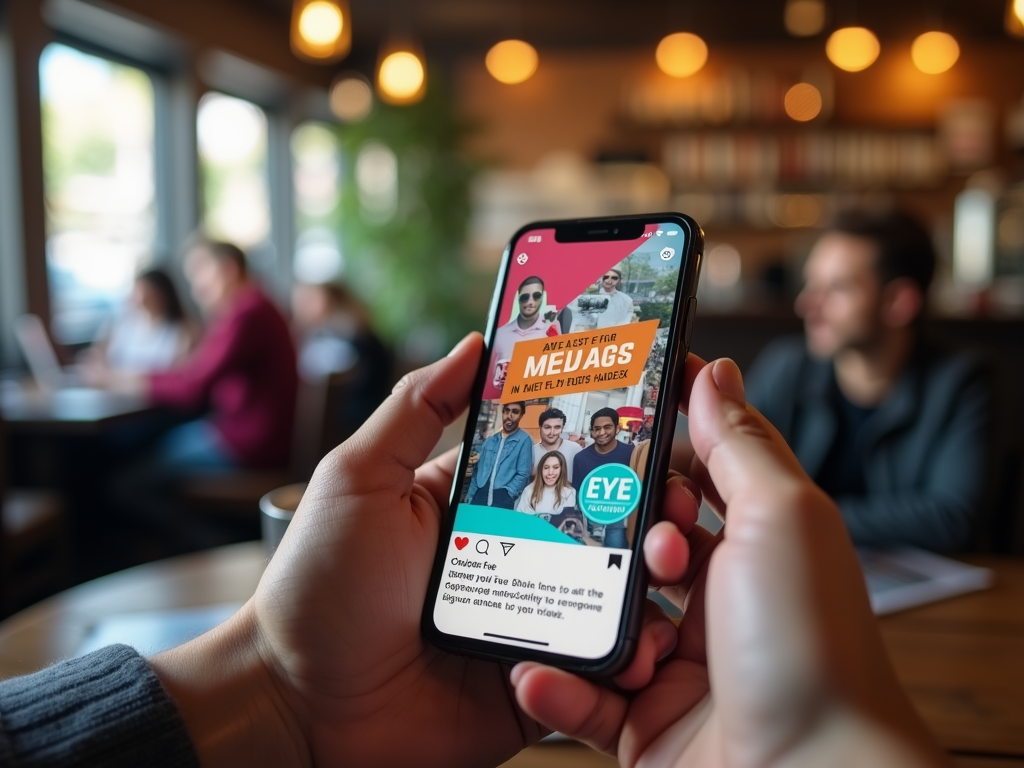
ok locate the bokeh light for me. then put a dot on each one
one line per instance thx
(723, 266)
(229, 129)
(852, 48)
(804, 18)
(512, 61)
(351, 98)
(401, 77)
(321, 23)
(803, 102)
(681, 54)
(934, 52)
(321, 30)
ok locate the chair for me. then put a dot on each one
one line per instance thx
(34, 542)
(318, 428)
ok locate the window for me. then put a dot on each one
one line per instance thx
(98, 165)
(316, 160)
(233, 150)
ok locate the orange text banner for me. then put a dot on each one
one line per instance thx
(579, 362)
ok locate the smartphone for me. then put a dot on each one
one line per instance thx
(565, 455)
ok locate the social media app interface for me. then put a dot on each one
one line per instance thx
(544, 523)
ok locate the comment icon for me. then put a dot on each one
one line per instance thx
(483, 547)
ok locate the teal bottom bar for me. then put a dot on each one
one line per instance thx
(495, 521)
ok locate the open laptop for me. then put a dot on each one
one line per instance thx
(41, 356)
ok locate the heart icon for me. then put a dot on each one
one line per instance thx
(461, 541)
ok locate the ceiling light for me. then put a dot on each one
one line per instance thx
(852, 48)
(512, 61)
(351, 97)
(803, 102)
(805, 18)
(401, 78)
(1014, 19)
(934, 52)
(681, 54)
(321, 30)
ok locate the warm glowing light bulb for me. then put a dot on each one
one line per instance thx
(852, 48)
(803, 102)
(681, 54)
(934, 52)
(804, 18)
(1018, 10)
(351, 98)
(512, 61)
(401, 76)
(321, 23)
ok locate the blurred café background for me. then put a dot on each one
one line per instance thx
(394, 146)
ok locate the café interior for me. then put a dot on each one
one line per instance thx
(371, 160)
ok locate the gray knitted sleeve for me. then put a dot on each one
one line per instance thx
(107, 709)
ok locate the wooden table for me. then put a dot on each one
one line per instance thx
(66, 411)
(961, 660)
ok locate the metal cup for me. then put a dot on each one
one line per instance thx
(276, 510)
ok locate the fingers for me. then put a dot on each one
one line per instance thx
(658, 639)
(681, 505)
(666, 553)
(576, 707)
(404, 430)
(585, 710)
(741, 450)
(691, 368)
(436, 475)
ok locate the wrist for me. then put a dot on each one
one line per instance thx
(229, 700)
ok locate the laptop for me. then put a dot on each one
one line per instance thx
(41, 356)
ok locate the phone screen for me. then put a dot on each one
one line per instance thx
(541, 548)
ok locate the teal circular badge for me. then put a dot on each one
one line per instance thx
(609, 494)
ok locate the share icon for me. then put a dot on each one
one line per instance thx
(506, 546)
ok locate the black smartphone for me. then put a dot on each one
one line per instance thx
(564, 460)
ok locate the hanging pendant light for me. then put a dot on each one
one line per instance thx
(512, 61)
(321, 30)
(401, 74)
(934, 52)
(852, 48)
(1014, 19)
(681, 54)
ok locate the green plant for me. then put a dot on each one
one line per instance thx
(404, 248)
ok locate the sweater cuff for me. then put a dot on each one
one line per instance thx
(105, 709)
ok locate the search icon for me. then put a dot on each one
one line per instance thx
(483, 546)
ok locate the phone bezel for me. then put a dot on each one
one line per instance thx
(661, 444)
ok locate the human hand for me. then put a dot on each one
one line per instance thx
(92, 368)
(779, 659)
(327, 665)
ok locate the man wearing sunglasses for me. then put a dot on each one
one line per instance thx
(528, 324)
(620, 305)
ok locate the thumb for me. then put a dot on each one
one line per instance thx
(398, 437)
(743, 453)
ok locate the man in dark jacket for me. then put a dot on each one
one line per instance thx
(896, 431)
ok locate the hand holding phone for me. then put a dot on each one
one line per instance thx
(539, 556)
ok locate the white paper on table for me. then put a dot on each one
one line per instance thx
(907, 577)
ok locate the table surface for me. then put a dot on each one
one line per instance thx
(79, 409)
(960, 660)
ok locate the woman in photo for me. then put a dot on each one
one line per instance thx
(550, 492)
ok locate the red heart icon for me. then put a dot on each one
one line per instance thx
(461, 541)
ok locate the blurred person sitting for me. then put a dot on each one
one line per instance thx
(896, 430)
(336, 335)
(152, 334)
(243, 371)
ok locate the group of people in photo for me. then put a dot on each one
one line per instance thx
(510, 471)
